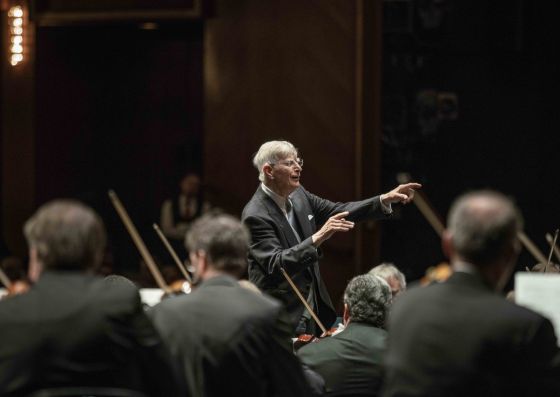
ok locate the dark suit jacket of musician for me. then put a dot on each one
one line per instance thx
(460, 338)
(349, 362)
(274, 246)
(228, 340)
(72, 329)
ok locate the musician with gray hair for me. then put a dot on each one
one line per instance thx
(462, 338)
(72, 329)
(224, 338)
(288, 224)
(394, 277)
(350, 362)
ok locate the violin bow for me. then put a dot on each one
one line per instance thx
(552, 242)
(133, 232)
(303, 300)
(531, 247)
(423, 206)
(551, 251)
(4, 279)
(434, 220)
(172, 252)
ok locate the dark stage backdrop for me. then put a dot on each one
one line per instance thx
(500, 60)
(469, 95)
(118, 107)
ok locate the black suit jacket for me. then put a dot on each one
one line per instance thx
(71, 329)
(460, 338)
(227, 339)
(274, 246)
(349, 362)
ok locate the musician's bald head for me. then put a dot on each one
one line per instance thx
(65, 235)
(482, 230)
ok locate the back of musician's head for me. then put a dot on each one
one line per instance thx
(368, 298)
(272, 152)
(66, 235)
(224, 240)
(483, 225)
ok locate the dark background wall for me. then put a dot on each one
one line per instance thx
(297, 71)
(118, 107)
(499, 59)
(121, 105)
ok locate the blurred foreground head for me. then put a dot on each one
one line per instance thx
(64, 235)
(482, 231)
(218, 244)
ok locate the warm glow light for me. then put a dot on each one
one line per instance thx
(15, 59)
(15, 22)
(16, 49)
(15, 12)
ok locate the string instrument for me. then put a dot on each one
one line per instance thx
(13, 287)
(548, 266)
(179, 285)
(552, 242)
(139, 243)
(442, 271)
(304, 339)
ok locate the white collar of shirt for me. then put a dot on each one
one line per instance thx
(464, 267)
(279, 200)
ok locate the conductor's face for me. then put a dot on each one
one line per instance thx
(285, 175)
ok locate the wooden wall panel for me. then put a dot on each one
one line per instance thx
(289, 69)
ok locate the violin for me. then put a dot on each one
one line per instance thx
(305, 339)
(181, 286)
(13, 287)
(19, 287)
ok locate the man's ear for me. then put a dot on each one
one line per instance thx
(346, 315)
(447, 244)
(35, 266)
(201, 263)
(267, 170)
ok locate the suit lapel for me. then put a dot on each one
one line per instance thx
(302, 211)
(278, 216)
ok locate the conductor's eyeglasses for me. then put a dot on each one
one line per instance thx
(291, 163)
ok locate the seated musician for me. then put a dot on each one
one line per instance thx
(394, 277)
(225, 338)
(71, 329)
(350, 362)
(461, 337)
(180, 211)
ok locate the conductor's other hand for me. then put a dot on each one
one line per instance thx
(335, 223)
(401, 194)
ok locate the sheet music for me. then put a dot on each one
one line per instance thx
(151, 296)
(541, 293)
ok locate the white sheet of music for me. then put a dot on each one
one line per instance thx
(541, 293)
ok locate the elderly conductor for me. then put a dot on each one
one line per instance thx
(288, 224)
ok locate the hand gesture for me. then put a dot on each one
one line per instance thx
(335, 223)
(401, 194)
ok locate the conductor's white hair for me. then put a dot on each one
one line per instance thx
(272, 152)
